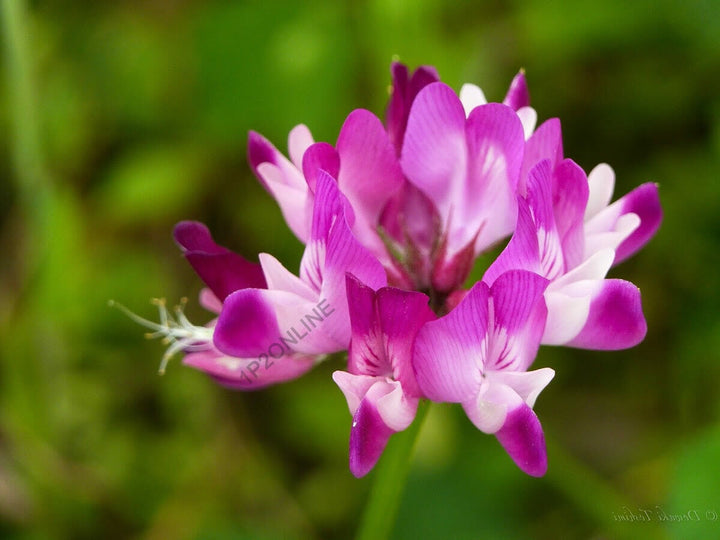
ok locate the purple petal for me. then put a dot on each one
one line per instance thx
(370, 173)
(247, 324)
(518, 95)
(222, 270)
(404, 91)
(486, 203)
(447, 351)
(522, 252)
(519, 320)
(615, 319)
(402, 314)
(539, 195)
(249, 373)
(545, 143)
(434, 154)
(368, 438)
(644, 201)
(283, 180)
(367, 353)
(320, 157)
(522, 438)
(570, 198)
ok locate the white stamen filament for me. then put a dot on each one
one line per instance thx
(178, 332)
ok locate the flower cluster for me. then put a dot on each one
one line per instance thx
(393, 217)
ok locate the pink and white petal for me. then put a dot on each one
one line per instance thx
(545, 143)
(448, 353)
(299, 140)
(471, 96)
(221, 269)
(402, 314)
(370, 172)
(255, 322)
(249, 373)
(522, 252)
(601, 184)
(518, 95)
(368, 437)
(434, 153)
(613, 237)
(528, 118)
(395, 407)
(522, 438)
(643, 201)
(594, 267)
(570, 197)
(292, 197)
(540, 200)
(489, 407)
(487, 200)
(526, 384)
(615, 319)
(354, 387)
(568, 309)
(320, 157)
(209, 301)
(519, 315)
(280, 278)
(517, 299)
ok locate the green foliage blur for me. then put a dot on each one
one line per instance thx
(121, 118)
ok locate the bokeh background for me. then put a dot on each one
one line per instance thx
(118, 119)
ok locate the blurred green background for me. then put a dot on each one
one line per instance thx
(118, 119)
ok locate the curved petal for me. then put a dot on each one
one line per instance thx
(249, 373)
(615, 318)
(518, 95)
(299, 140)
(370, 173)
(354, 387)
(404, 91)
(522, 438)
(526, 384)
(222, 270)
(368, 438)
(434, 153)
(545, 143)
(601, 184)
(528, 118)
(282, 179)
(486, 203)
(643, 201)
(320, 157)
(471, 96)
(570, 198)
(449, 352)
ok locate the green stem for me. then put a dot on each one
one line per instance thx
(389, 481)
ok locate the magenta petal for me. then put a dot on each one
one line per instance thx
(249, 373)
(645, 202)
(447, 351)
(522, 252)
(370, 173)
(487, 203)
(368, 438)
(260, 150)
(615, 320)
(247, 324)
(320, 157)
(545, 143)
(222, 270)
(570, 198)
(404, 91)
(518, 95)
(434, 154)
(522, 438)
(540, 199)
